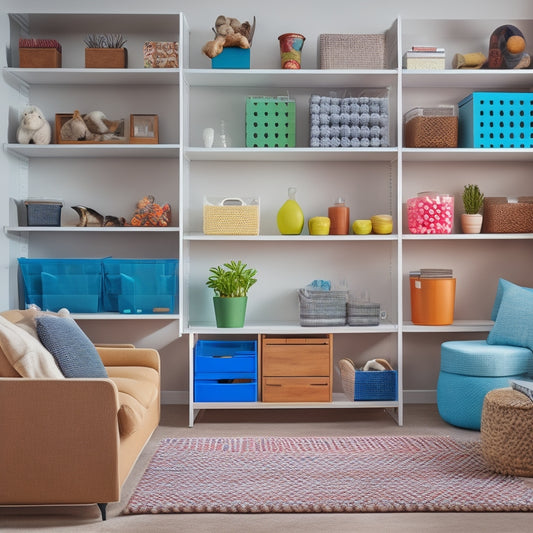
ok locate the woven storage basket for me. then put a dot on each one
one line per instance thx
(502, 216)
(231, 216)
(352, 51)
(507, 432)
(322, 308)
(431, 128)
(362, 314)
(369, 385)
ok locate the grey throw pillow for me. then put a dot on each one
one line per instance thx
(72, 349)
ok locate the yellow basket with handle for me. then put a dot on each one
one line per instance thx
(231, 216)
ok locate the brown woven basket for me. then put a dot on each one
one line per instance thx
(502, 216)
(431, 132)
(352, 51)
(507, 432)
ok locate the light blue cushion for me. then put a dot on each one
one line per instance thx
(514, 322)
(503, 284)
(477, 358)
(72, 349)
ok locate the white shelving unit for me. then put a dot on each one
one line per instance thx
(376, 263)
(82, 174)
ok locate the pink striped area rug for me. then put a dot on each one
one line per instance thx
(323, 475)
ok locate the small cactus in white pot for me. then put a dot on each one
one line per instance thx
(472, 220)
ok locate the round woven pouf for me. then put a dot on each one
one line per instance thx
(507, 432)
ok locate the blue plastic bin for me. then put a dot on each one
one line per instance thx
(134, 286)
(55, 283)
(376, 385)
(225, 371)
(496, 120)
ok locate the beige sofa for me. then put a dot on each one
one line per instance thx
(74, 441)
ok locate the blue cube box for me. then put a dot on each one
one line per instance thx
(134, 286)
(232, 58)
(51, 284)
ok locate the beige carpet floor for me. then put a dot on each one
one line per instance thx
(418, 420)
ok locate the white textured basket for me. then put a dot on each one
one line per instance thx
(352, 51)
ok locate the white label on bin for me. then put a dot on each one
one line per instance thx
(418, 284)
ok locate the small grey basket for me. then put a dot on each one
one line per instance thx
(352, 51)
(322, 308)
(363, 313)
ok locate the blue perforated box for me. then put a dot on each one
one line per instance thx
(496, 120)
(134, 286)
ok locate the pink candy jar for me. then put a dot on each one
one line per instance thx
(430, 212)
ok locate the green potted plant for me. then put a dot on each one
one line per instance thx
(231, 282)
(471, 219)
(105, 51)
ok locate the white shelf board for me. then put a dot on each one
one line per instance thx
(507, 155)
(125, 316)
(458, 326)
(196, 236)
(314, 78)
(339, 401)
(116, 150)
(88, 229)
(292, 154)
(468, 237)
(472, 80)
(285, 328)
(92, 76)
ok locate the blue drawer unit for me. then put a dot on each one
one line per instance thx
(225, 371)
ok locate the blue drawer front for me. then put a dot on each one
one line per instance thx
(225, 356)
(225, 390)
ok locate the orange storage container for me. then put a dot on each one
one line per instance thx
(432, 301)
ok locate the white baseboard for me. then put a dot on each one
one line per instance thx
(175, 397)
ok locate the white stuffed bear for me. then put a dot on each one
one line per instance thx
(34, 127)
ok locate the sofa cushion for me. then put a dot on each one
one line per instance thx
(28, 357)
(514, 318)
(73, 350)
(138, 388)
(25, 319)
(503, 284)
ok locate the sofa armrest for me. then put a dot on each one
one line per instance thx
(59, 441)
(113, 356)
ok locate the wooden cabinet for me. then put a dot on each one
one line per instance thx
(297, 368)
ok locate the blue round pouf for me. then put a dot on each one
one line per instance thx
(470, 369)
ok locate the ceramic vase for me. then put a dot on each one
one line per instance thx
(471, 223)
(290, 217)
(291, 45)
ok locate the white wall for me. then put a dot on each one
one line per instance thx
(309, 17)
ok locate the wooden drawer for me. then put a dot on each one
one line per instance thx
(289, 356)
(302, 389)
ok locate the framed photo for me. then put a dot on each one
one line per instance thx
(144, 129)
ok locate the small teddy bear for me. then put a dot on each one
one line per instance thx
(229, 32)
(33, 127)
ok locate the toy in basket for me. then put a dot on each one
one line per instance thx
(376, 380)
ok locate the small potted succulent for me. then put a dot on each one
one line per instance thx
(231, 282)
(105, 51)
(471, 219)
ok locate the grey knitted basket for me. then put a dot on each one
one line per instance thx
(352, 51)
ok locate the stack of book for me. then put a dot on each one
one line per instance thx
(425, 58)
(432, 273)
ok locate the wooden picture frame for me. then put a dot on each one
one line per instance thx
(144, 129)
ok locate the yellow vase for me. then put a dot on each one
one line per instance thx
(290, 216)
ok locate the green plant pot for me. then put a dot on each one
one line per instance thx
(230, 312)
